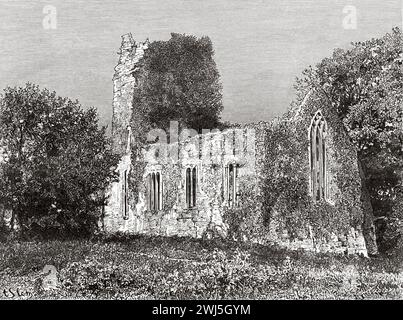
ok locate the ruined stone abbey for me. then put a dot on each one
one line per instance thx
(189, 184)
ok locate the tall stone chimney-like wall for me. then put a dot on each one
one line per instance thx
(124, 83)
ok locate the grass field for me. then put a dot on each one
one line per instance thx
(141, 267)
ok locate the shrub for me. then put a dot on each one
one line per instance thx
(58, 163)
(165, 268)
(93, 277)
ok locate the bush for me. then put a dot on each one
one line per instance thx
(183, 268)
(92, 277)
(4, 231)
(58, 164)
(390, 229)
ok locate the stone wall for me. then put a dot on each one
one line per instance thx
(124, 83)
(335, 224)
(211, 153)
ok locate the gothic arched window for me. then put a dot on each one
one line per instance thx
(125, 203)
(191, 187)
(194, 186)
(154, 191)
(231, 184)
(317, 156)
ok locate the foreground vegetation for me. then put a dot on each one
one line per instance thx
(181, 268)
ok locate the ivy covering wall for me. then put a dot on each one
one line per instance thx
(176, 80)
(281, 205)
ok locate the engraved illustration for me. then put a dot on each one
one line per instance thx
(193, 150)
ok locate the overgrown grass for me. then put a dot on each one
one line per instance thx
(141, 267)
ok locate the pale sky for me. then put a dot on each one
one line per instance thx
(260, 45)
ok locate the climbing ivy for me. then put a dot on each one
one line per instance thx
(285, 180)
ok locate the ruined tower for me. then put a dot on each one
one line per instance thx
(124, 83)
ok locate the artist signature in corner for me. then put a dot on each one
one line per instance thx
(12, 293)
(49, 281)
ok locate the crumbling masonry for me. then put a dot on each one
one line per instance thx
(188, 185)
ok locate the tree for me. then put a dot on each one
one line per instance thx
(364, 84)
(58, 162)
(179, 81)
